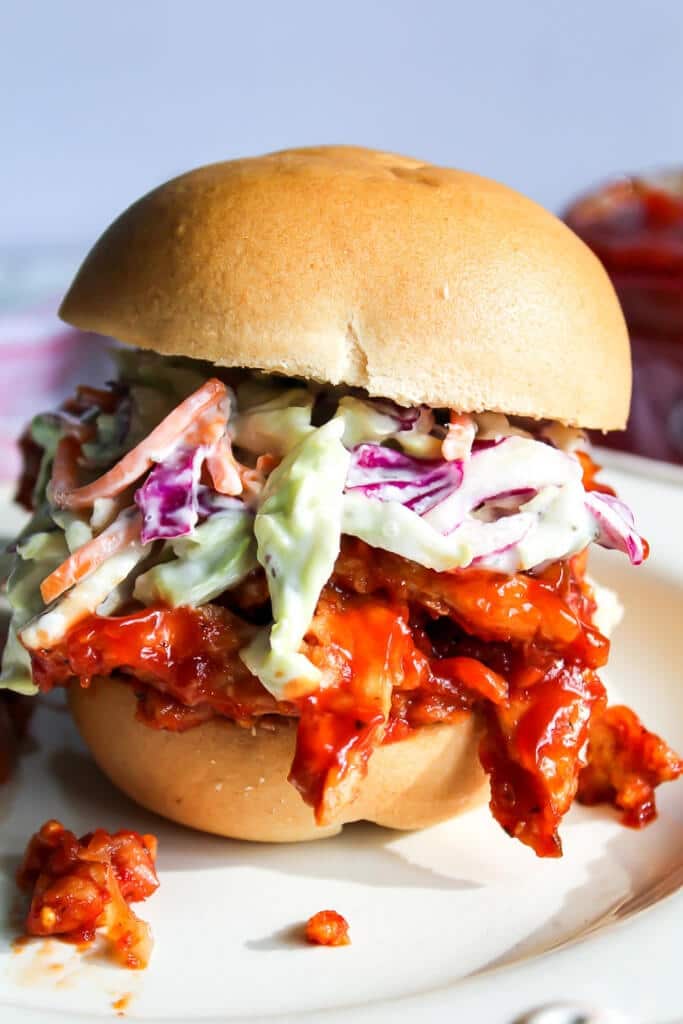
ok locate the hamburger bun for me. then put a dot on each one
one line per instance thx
(353, 266)
(222, 778)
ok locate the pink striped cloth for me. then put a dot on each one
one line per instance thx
(41, 362)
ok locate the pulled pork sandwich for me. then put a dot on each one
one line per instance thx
(318, 553)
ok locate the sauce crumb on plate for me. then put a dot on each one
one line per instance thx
(327, 928)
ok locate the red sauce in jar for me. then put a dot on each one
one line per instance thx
(635, 227)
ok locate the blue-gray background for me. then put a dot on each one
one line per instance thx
(99, 102)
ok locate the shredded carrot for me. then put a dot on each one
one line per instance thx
(221, 464)
(457, 443)
(253, 480)
(141, 458)
(206, 431)
(65, 465)
(223, 468)
(123, 531)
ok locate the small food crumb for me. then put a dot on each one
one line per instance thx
(122, 1003)
(218, 787)
(327, 928)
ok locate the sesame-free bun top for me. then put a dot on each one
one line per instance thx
(353, 266)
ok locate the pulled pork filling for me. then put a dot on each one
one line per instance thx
(82, 887)
(248, 548)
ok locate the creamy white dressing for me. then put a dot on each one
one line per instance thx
(364, 422)
(276, 425)
(298, 531)
(514, 465)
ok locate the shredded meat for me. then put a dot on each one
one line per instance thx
(398, 647)
(250, 598)
(189, 655)
(327, 928)
(365, 648)
(82, 886)
(516, 609)
(534, 748)
(162, 712)
(590, 471)
(625, 765)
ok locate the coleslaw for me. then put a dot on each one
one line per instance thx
(173, 485)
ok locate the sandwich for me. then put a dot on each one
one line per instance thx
(317, 553)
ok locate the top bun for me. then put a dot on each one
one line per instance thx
(353, 266)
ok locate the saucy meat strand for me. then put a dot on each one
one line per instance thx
(626, 763)
(533, 750)
(82, 886)
(189, 654)
(364, 649)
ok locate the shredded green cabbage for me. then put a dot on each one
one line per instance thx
(216, 556)
(298, 531)
(364, 422)
(275, 425)
(38, 553)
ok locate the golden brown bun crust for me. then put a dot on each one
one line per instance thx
(219, 777)
(353, 266)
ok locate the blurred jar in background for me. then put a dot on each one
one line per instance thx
(635, 226)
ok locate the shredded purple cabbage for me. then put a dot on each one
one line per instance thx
(168, 499)
(483, 498)
(405, 418)
(616, 525)
(496, 539)
(388, 475)
(172, 500)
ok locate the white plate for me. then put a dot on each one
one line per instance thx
(455, 923)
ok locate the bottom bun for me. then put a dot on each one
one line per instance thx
(221, 778)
